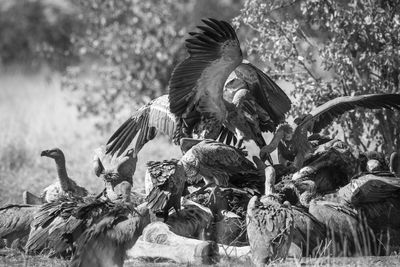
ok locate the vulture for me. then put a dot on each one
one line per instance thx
(308, 233)
(346, 229)
(370, 161)
(395, 164)
(96, 231)
(196, 107)
(349, 232)
(15, 222)
(269, 224)
(330, 166)
(196, 87)
(211, 161)
(297, 142)
(65, 186)
(114, 170)
(377, 195)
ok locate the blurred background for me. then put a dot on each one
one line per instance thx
(71, 71)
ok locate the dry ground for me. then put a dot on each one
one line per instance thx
(386, 261)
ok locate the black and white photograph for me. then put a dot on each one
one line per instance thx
(199, 133)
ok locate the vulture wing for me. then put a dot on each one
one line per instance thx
(323, 115)
(197, 83)
(15, 220)
(265, 91)
(308, 231)
(370, 188)
(106, 239)
(168, 185)
(145, 123)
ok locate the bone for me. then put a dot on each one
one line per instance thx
(157, 241)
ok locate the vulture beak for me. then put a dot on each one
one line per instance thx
(44, 153)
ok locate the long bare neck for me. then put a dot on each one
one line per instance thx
(62, 173)
(269, 180)
(275, 140)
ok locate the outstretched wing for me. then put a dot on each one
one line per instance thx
(145, 123)
(323, 115)
(196, 85)
(265, 91)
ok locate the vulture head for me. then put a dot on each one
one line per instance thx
(54, 153)
(120, 168)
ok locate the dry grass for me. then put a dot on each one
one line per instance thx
(35, 116)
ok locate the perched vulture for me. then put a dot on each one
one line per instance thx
(208, 160)
(346, 229)
(330, 166)
(64, 187)
(114, 170)
(269, 224)
(322, 116)
(196, 106)
(96, 231)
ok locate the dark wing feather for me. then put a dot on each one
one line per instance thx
(197, 83)
(144, 124)
(265, 91)
(105, 241)
(323, 115)
(167, 188)
(227, 137)
(15, 220)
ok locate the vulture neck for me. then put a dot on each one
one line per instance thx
(269, 180)
(278, 136)
(62, 173)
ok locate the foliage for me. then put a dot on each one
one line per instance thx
(332, 48)
(33, 32)
(135, 44)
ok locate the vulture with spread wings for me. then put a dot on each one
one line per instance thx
(196, 93)
(196, 106)
(322, 116)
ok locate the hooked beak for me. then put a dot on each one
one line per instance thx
(44, 153)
